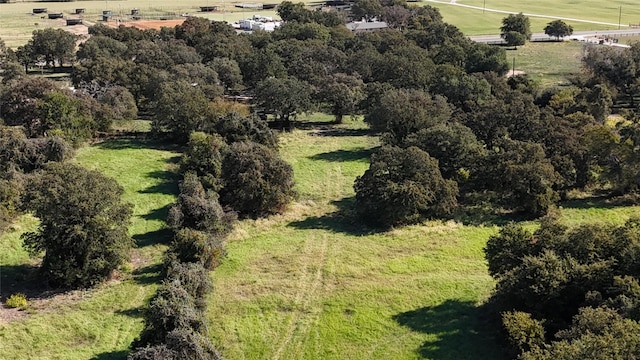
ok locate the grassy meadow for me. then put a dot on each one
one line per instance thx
(547, 64)
(98, 323)
(311, 283)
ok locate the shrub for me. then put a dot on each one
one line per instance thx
(157, 352)
(236, 128)
(257, 181)
(171, 308)
(203, 156)
(199, 210)
(193, 246)
(525, 333)
(17, 301)
(403, 186)
(193, 277)
(191, 345)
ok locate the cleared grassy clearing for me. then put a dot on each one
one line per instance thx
(315, 284)
(548, 63)
(104, 321)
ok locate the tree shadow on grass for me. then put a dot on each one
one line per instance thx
(462, 330)
(158, 214)
(161, 236)
(112, 355)
(122, 144)
(25, 279)
(151, 274)
(344, 155)
(167, 183)
(343, 220)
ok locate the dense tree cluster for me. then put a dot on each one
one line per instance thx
(83, 224)
(569, 293)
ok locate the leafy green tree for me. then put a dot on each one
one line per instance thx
(120, 101)
(454, 146)
(342, 93)
(63, 115)
(234, 127)
(257, 182)
(516, 23)
(83, 224)
(558, 29)
(514, 38)
(20, 101)
(193, 246)
(403, 186)
(400, 113)
(228, 71)
(522, 173)
(180, 108)
(203, 157)
(366, 9)
(55, 45)
(286, 98)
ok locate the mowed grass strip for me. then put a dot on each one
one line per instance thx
(313, 283)
(103, 321)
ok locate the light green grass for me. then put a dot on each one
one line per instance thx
(103, 321)
(548, 63)
(477, 22)
(315, 284)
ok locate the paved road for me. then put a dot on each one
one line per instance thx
(578, 35)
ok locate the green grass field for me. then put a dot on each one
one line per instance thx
(548, 64)
(312, 283)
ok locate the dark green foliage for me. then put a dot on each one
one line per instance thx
(524, 332)
(192, 345)
(555, 272)
(366, 9)
(171, 308)
(454, 146)
(180, 108)
(83, 224)
(523, 175)
(403, 112)
(192, 277)
(286, 98)
(228, 71)
(203, 156)
(20, 101)
(63, 115)
(199, 209)
(514, 38)
(558, 29)
(234, 127)
(342, 94)
(403, 186)
(257, 181)
(53, 45)
(598, 334)
(516, 23)
(156, 352)
(193, 246)
(121, 103)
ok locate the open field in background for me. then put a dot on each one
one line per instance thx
(17, 23)
(100, 323)
(548, 63)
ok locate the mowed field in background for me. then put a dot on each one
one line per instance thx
(17, 22)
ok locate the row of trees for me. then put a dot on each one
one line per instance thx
(516, 29)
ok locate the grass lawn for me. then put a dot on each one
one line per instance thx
(548, 63)
(102, 321)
